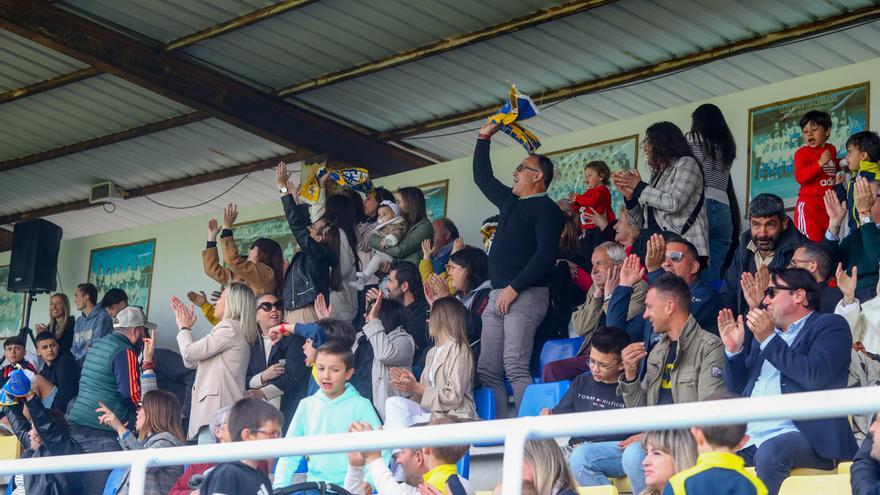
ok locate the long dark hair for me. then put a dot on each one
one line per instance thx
(710, 129)
(476, 262)
(357, 202)
(391, 314)
(414, 199)
(332, 241)
(270, 254)
(339, 210)
(569, 244)
(667, 144)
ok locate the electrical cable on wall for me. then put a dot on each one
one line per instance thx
(199, 204)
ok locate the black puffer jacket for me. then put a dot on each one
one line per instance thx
(309, 273)
(55, 441)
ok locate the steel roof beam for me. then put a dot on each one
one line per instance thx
(48, 84)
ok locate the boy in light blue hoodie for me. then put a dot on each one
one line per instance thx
(332, 409)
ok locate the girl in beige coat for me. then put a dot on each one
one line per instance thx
(447, 382)
(221, 357)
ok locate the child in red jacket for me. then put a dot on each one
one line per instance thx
(597, 197)
(815, 169)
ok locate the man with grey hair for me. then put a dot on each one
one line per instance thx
(606, 260)
(817, 260)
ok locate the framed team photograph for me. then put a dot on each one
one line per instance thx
(11, 304)
(436, 194)
(274, 228)
(775, 135)
(125, 266)
(568, 165)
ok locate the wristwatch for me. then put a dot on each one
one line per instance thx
(863, 219)
(283, 190)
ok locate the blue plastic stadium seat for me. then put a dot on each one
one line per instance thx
(484, 398)
(464, 466)
(555, 350)
(114, 480)
(541, 395)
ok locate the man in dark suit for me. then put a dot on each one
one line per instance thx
(865, 471)
(796, 349)
(277, 372)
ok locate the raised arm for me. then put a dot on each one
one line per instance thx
(489, 185)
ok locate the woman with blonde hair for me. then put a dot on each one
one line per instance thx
(446, 384)
(545, 466)
(158, 425)
(221, 357)
(666, 453)
(60, 322)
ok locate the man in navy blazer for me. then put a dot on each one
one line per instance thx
(798, 350)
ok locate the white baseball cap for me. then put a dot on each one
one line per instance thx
(132, 316)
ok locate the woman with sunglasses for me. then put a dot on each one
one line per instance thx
(276, 371)
(315, 267)
(263, 267)
(158, 425)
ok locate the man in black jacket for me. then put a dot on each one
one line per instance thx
(771, 241)
(59, 368)
(865, 471)
(521, 263)
(405, 286)
(817, 259)
(49, 435)
(277, 372)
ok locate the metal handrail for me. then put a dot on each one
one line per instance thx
(513, 432)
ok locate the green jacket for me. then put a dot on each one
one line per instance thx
(861, 248)
(410, 247)
(699, 363)
(98, 384)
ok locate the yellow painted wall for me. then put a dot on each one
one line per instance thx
(178, 263)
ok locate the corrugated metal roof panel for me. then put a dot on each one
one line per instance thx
(717, 78)
(76, 112)
(610, 39)
(336, 34)
(25, 62)
(175, 153)
(165, 21)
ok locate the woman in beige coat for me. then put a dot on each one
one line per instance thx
(447, 383)
(221, 357)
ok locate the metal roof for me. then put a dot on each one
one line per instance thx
(25, 62)
(175, 153)
(79, 111)
(714, 79)
(324, 36)
(581, 47)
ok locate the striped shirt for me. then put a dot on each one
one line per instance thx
(715, 172)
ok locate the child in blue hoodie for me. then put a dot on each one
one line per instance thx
(332, 409)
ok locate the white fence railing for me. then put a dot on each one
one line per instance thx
(513, 432)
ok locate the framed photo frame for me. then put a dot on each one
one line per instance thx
(568, 165)
(775, 135)
(275, 228)
(11, 304)
(436, 196)
(126, 266)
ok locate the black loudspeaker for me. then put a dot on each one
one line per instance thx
(34, 261)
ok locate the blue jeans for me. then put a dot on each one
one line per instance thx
(593, 463)
(720, 236)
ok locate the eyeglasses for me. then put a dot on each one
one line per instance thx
(267, 306)
(270, 434)
(674, 256)
(794, 262)
(770, 291)
(521, 167)
(592, 362)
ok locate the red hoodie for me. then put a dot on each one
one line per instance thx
(813, 179)
(597, 198)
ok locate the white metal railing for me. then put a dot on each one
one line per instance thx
(513, 432)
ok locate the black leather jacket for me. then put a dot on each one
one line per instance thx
(55, 441)
(309, 272)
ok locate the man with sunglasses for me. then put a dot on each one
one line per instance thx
(796, 349)
(277, 373)
(521, 262)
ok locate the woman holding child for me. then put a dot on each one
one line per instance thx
(411, 201)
